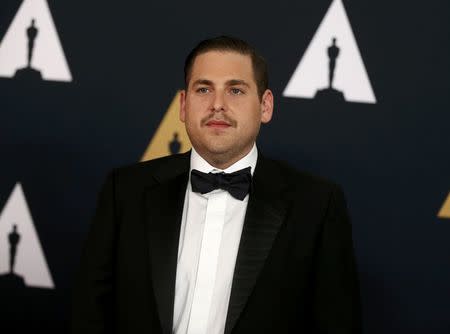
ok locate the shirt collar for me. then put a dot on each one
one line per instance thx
(200, 164)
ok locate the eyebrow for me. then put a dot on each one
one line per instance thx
(202, 82)
(232, 82)
(235, 82)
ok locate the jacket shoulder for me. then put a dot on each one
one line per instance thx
(148, 172)
(301, 180)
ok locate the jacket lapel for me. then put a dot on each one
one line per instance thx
(265, 214)
(163, 212)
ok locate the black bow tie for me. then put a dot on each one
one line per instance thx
(237, 183)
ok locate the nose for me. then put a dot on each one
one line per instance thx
(218, 102)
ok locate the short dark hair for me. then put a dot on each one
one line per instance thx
(231, 44)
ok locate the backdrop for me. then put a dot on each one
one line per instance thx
(362, 98)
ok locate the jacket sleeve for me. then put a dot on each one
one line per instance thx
(337, 306)
(93, 301)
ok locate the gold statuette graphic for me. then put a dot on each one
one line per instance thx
(170, 137)
(445, 210)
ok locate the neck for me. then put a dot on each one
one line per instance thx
(224, 160)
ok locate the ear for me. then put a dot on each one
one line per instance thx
(266, 106)
(183, 105)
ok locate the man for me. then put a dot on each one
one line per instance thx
(219, 239)
(333, 53)
(14, 239)
(32, 32)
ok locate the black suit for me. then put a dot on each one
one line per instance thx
(295, 269)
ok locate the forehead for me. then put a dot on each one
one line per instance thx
(222, 65)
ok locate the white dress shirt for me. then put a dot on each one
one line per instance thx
(210, 232)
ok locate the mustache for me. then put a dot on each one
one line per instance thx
(222, 118)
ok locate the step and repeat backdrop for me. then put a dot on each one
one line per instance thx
(362, 97)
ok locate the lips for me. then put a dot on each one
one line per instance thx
(217, 124)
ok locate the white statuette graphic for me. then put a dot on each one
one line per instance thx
(332, 65)
(31, 47)
(20, 242)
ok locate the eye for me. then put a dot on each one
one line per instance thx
(202, 90)
(236, 91)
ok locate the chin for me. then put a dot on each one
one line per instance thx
(216, 144)
(217, 149)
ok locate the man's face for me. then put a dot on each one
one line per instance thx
(221, 107)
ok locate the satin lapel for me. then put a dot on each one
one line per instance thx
(164, 208)
(265, 214)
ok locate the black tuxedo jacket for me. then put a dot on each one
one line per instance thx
(295, 269)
